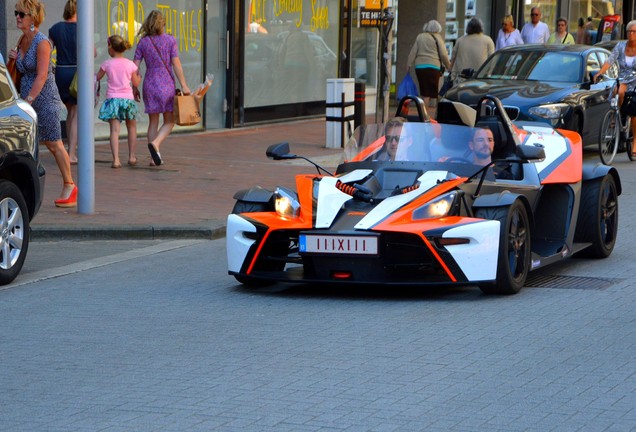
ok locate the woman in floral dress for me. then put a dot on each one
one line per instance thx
(38, 88)
(159, 51)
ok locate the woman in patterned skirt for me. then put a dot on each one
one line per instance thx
(38, 88)
(159, 51)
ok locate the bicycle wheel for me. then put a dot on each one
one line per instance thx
(609, 137)
(629, 142)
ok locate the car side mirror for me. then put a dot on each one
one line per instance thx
(279, 151)
(531, 152)
(467, 73)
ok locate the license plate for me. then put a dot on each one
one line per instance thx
(352, 245)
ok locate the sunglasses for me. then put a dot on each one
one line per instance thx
(21, 14)
(535, 14)
(390, 138)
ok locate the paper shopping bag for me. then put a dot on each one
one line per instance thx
(186, 110)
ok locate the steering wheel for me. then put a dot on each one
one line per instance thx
(456, 159)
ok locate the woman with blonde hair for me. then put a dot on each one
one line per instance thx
(159, 51)
(428, 54)
(508, 35)
(37, 87)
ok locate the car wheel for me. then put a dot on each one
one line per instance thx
(250, 207)
(513, 263)
(14, 234)
(598, 218)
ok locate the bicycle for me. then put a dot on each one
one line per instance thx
(616, 131)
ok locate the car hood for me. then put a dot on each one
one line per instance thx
(511, 92)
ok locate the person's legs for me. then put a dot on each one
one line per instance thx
(64, 165)
(115, 128)
(71, 131)
(153, 126)
(131, 127)
(164, 130)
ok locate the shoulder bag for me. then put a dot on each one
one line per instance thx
(442, 69)
(16, 76)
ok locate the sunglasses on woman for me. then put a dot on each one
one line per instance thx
(21, 14)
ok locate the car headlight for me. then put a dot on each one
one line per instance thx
(437, 208)
(286, 203)
(551, 111)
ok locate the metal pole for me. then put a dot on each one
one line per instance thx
(85, 107)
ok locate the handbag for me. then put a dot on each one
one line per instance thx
(12, 67)
(72, 88)
(629, 104)
(186, 109)
(406, 88)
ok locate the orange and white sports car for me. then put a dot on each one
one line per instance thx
(418, 205)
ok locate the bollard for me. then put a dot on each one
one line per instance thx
(359, 106)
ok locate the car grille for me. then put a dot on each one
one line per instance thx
(512, 111)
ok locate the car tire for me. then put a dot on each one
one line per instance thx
(250, 207)
(15, 232)
(513, 262)
(598, 217)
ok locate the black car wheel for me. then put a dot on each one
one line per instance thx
(513, 263)
(598, 217)
(251, 207)
(14, 231)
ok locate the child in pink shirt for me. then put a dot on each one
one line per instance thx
(120, 103)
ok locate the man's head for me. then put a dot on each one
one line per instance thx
(482, 145)
(535, 15)
(392, 132)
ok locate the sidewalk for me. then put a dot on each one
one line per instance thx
(191, 194)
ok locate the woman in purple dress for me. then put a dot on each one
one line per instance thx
(159, 51)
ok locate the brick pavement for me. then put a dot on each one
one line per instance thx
(191, 194)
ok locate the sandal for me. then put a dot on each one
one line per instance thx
(115, 165)
(156, 156)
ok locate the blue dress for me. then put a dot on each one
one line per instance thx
(47, 104)
(64, 37)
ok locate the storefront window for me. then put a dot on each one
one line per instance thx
(184, 20)
(290, 51)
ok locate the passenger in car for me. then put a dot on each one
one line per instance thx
(482, 146)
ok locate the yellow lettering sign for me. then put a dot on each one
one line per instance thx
(319, 16)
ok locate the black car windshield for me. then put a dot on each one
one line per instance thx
(533, 66)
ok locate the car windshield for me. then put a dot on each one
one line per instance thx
(532, 65)
(413, 142)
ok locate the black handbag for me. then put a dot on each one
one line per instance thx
(442, 69)
(629, 104)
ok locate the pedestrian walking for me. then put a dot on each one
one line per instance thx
(429, 56)
(508, 35)
(472, 49)
(37, 87)
(536, 31)
(63, 35)
(120, 105)
(159, 51)
(561, 35)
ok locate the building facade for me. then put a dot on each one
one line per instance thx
(271, 58)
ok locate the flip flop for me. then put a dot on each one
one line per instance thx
(154, 154)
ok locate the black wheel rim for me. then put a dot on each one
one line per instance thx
(517, 244)
(609, 213)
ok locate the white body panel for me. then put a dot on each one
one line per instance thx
(477, 259)
(237, 244)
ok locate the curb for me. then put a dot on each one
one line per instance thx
(215, 230)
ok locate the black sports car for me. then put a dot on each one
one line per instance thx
(548, 83)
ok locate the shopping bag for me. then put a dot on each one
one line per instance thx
(72, 88)
(446, 86)
(186, 109)
(407, 87)
(15, 74)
